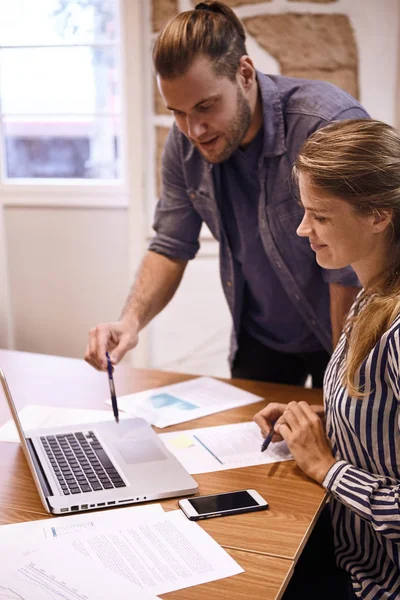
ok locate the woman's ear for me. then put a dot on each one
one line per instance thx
(381, 219)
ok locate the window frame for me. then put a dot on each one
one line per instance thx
(62, 192)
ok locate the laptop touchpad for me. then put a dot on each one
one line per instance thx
(140, 452)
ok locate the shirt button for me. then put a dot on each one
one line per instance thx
(192, 195)
(229, 283)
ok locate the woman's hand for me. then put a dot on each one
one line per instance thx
(267, 417)
(303, 431)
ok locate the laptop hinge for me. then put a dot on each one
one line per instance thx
(39, 469)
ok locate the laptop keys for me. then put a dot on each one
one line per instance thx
(102, 456)
(80, 463)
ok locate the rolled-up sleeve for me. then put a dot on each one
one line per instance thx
(176, 223)
(374, 498)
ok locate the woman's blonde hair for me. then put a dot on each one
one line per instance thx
(211, 30)
(358, 161)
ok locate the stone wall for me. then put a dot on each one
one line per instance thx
(237, 3)
(310, 46)
(162, 12)
(318, 1)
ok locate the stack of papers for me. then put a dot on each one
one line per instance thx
(185, 401)
(127, 553)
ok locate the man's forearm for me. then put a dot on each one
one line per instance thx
(155, 284)
(341, 300)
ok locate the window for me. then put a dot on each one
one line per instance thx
(60, 108)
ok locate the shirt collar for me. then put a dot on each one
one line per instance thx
(274, 128)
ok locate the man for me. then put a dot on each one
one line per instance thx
(227, 162)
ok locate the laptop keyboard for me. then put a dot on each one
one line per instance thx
(80, 463)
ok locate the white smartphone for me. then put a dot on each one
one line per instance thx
(220, 505)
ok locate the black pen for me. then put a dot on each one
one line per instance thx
(268, 439)
(112, 388)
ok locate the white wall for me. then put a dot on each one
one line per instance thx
(191, 334)
(6, 316)
(68, 270)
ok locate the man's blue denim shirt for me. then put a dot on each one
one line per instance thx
(293, 109)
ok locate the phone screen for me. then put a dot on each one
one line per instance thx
(222, 502)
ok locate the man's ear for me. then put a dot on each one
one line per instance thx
(246, 72)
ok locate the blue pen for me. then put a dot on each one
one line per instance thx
(268, 439)
(112, 388)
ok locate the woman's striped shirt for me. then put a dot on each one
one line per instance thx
(365, 482)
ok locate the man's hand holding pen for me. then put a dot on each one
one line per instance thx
(112, 388)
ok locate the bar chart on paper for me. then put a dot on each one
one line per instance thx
(184, 401)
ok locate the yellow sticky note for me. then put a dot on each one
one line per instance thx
(182, 441)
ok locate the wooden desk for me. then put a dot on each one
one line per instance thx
(276, 536)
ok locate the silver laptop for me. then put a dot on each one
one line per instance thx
(96, 465)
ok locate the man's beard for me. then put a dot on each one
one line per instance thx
(235, 131)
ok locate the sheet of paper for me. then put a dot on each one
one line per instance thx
(185, 401)
(25, 538)
(159, 552)
(61, 573)
(209, 449)
(34, 416)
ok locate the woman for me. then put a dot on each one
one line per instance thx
(349, 180)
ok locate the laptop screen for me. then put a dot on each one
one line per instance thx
(12, 408)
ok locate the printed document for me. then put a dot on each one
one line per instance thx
(35, 533)
(209, 449)
(61, 573)
(185, 401)
(36, 416)
(159, 553)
